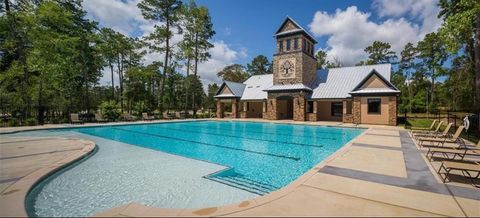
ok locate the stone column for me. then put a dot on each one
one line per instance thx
(392, 110)
(220, 109)
(272, 109)
(235, 108)
(315, 107)
(356, 110)
(299, 108)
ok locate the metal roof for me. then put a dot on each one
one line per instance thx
(375, 91)
(236, 88)
(339, 82)
(299, 29)
(296, 86)
(255, 85)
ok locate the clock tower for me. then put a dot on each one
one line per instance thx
(293, 61)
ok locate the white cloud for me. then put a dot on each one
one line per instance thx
(221, 56)
(349, 31)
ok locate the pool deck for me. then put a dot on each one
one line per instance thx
(382, 172)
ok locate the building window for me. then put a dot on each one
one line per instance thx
(295, 43)
(280, 45)
(337, 109)
(374, 105)
(309, 106)
(311, 49)
(288, 44)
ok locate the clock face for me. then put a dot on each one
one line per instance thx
(287, 68)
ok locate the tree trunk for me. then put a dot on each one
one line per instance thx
(186, 87)
(40, 117)
(113, 81)
(165, 63)
(195, 73)
(120, 78)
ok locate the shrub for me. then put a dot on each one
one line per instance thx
(110, 110)
(13, 122)
(140, 107)
(31, 122)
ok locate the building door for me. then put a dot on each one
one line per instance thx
(285, 107)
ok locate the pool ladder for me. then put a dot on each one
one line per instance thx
(245, 184)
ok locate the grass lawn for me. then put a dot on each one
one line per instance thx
(426, 123)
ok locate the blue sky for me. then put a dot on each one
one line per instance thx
(245, 28)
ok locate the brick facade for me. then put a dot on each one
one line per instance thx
(392, 110)
(299, 104)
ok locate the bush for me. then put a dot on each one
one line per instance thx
(31, 122)
(110, 110)
(139, 108)
(13, 122)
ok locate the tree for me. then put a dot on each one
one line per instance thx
(432, 54)
(110, 48)
(234, 73)
(321, 57)
(407, 67)
(461, 30)
(166, 12)
(259, 65)
(380, 53)
(210, 99)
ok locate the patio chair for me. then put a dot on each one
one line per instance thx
(99, 118)
(128, 117)
(439, 141)
(452, 153)
(146, 117)
(420, 129)
(180, 115)
(420, 133)
(74, 119)
(437, 134)
(470, 170)
(168, 116)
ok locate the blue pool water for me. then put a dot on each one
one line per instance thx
(235, 160)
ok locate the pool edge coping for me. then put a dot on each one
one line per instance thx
(137, 209)
(18, 191)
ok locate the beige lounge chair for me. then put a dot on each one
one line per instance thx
(74, 119)
(146, 117)
(439, 141)
(452, 153)
(419, 129)
(437, 134)
(168, 116)
(99, 118)
(423, 133)
(128, 117)
(470, 170)
(180, 115)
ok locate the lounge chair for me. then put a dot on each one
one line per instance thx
(74, 119)
(439, 141)
(99, 118)
(168, 116)
(180, 115)
(437, 134)
(420, 129)
(453, 153)
(128, 117)
(421, 133)
(146, 117)
(470, 170)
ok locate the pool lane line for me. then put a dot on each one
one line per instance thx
(270, 133)
(208, 144)
(234, 136)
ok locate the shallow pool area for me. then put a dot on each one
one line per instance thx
(182, 164)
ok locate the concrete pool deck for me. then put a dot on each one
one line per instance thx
(380, 173)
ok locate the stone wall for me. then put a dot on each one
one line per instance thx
(356, 110)
(299, 104)
(392, 110)
(347, 118)
(309, 67)
(312, 117)
(220, 109)
(235, 108)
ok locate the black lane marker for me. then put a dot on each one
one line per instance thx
(233, 136)
(203, 143)
(270, 133)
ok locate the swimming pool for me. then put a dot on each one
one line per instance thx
(183, 164)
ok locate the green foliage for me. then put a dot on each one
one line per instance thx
(31, 121)
(379, 53)
(234, 73)
(321, 56)
(259, 65)
(110, 110)
(13, 122)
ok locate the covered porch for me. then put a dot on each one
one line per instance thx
(338, 110)
(252, 109)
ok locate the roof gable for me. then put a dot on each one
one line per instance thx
(289, 26)
(374, 74)
(235, 90)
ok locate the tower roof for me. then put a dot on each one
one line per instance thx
(289, 26)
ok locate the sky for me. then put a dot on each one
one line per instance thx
(245, 28)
